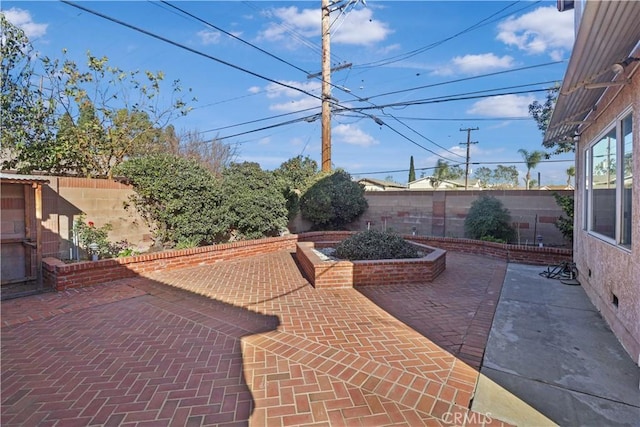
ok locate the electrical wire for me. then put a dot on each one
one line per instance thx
(546, 64)
(407, 55)
(260, 76)
(441, 99)
(233, 36)
(187, 48)
(471, 163)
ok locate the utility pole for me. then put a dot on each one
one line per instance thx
(468, 144)
(326, 88)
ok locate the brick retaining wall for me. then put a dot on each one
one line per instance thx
(511, 253)
(59, 275)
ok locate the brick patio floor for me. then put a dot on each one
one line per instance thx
(249, 342)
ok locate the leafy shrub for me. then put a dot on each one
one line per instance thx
(565, 224)
(373, 244)
(333, 202)
(178, 198)
(252, 205)
(488, 218)
(88, 234)
(295, 176)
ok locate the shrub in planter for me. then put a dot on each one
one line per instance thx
(333, 202)
(373, 244)
(489, 220)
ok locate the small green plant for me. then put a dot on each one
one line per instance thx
(492, 239)
(565, 224)
(373, 244)
(123, 249)
(187, 243)
(92, 239)
(489, 219)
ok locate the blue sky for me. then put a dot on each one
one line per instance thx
(401, 52)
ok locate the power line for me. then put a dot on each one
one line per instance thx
(187, 48)
(546, 64)
(473, 163)
(233, 36)
(197, 52)
(407, 55)
(437, 100)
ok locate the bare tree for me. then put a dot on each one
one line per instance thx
(213, 154)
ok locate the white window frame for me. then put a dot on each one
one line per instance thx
(588, 178)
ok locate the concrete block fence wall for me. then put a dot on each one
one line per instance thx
(423, 213)
(442, 213)
(60, 276)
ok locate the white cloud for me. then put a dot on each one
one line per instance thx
(502, 106)
(275, 90)
(208, 37)
(295, 105)
(350, 134)
(358, 27)
(355, 27)
(293, 100)
(541, 31)
(481, 63)
(304, 22)
(22, 18)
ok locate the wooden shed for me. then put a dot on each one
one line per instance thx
(21, 234)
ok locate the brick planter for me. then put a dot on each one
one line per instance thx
(59, 276)
(346, 274)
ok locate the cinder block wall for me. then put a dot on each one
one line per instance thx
(442, 213)
(102, 200)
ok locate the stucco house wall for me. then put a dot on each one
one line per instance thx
(606, 270)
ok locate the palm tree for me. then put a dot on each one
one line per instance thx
(440, 173)
(571, 172)
(531, 159)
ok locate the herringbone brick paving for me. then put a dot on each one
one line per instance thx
(252, 342)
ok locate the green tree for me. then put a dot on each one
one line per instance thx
(541, 113)
(444, 171)
(571, 172)
(531, 160)
(505, 176)
(484, 175)
(179, 200)
(333, 202)
(412, 171)
(114, 114)
(488, 219)
(26, 113)
(253, 205)
(295, 176)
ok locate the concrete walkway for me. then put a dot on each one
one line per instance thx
(550, 347)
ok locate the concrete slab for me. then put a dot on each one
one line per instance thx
(550, 347)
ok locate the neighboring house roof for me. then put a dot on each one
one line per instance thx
(607, 34)
(426, 182)
(380, 184)
(14, 178)
(556, 187)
